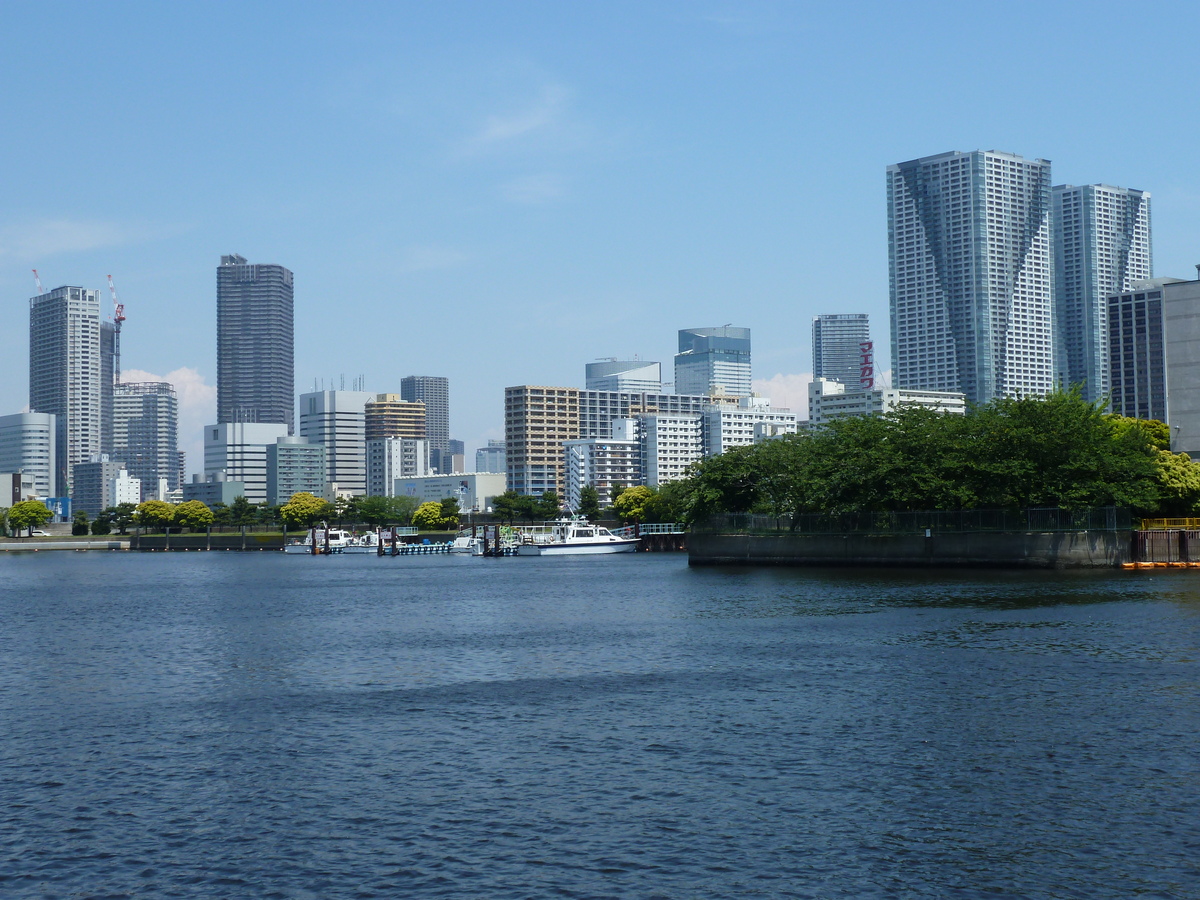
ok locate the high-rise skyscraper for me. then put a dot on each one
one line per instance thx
(1137, 343)
(255, 355)
(971, 276)
(108, 377)
(434, 392)
(838, 347)
(145, 432)
(66, 375)
(1101, 247)
(713, 360)
(624, 375)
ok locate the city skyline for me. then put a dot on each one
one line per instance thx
(492, 179)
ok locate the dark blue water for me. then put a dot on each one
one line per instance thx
(259, 725)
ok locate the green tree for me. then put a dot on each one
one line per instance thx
(269, 515)
(304, 510)
(102, 524)
(374, 510)
(194, 515)
(242, 512)
(507, 506)
(1158, 432)
(1178, 482)
(79, 524)
(380, 511)
(401, 509)
(29, 514)
(548, 506)
(1012, 453)
(121, 516)
(450, 512)
(346, 509)
(589, 503)
(428, 516)
(154, 514)
(221, 514)
(630, 506)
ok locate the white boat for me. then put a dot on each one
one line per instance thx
(337, 543)
(363, 543)
(571, 537)
(465, 543)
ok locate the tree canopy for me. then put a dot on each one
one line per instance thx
(28, 514)
(589, 503)
(154, 514)
(1053, 451)
(430, 516)
(193, 514)
(304, 510)
(386, 510)
(121, 515)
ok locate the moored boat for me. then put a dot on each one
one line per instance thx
(337, 542)
(573, 537)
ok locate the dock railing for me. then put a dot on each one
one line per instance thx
(650, 528)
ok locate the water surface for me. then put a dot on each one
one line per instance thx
(259, 725)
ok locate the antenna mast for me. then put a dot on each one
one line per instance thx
(38, 282)
(118, 318)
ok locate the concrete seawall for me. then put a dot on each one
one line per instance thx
(248, 542)
(30, 544)
(1029, 550)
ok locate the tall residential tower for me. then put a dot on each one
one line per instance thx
(67, 375)
(838, 347)
(255, 355)
(971, 275)
(1101, 247)
(434, 392)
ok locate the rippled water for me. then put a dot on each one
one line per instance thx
(258, 725)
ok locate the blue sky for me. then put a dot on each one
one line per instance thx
(502, 192)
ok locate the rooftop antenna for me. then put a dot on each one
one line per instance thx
(118, 318)
(42, 290)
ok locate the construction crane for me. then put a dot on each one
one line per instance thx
(118, 318)
(38, 282)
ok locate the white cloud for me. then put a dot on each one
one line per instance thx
(534, 189)
(544, 111)
(47, 237)
(423, 257)
(197, 408)
(788, 391)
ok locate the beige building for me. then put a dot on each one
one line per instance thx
(537, 420)
(388, 416)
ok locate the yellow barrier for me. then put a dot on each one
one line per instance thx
(1166, 524)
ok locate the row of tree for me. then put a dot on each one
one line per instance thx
(303, 510)
(1012, 453)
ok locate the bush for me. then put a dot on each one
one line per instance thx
(79, 524)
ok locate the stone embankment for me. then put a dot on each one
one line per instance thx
(1031, 550)
(82, 543)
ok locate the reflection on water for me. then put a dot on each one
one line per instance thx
(224, 725)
